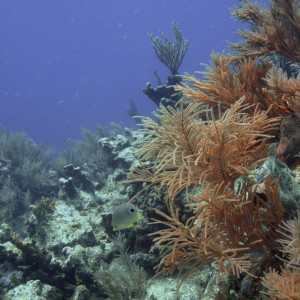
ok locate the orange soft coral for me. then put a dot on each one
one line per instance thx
(272, 31)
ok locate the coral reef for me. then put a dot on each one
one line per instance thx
(54, 244)
(216, 175)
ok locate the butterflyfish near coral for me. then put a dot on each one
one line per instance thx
(125, 216)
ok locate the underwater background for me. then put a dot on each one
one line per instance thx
(68, 65)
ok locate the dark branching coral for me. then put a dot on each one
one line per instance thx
(123, 279)
(79, 177)
(30, 162)
(170, 53)
(91, 157)
(85, 151)
(9, 194)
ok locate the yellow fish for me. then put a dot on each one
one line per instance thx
(125, 215)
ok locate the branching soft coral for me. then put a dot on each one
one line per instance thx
(226, 81)
(227, 224)
(272, 31)
(225, 228)
(291, 242)
(283, 92)
(187, 151)
(216, 147)
(170, 53)
(287, 284)
(284, 286)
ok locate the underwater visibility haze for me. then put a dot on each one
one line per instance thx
(68, 65)
(198, 198)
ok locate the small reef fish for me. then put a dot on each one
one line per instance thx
(125, 215)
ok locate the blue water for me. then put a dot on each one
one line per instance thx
(72, 64)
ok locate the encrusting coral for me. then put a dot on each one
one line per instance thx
(205, 151)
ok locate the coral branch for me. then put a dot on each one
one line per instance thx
(272, 31)
(170, 53)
